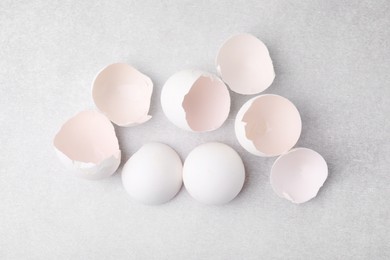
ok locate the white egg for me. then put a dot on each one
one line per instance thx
(195, 100)
(153, 175)
(244, 64)
(87, 145)
(298, 175)
(123, 94)
(268, 125)
(213, 173)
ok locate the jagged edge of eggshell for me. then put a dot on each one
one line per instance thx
(287, 196)
(145, 117)
(149, 84)
(219, 72)
(88, 170)
(193, 76)
(214, 78)
(239, 128)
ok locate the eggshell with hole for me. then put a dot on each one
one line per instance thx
(298, 175)
(123, 94)
(244, 64)
(196, 101)
(87, 144)
(213, 173)
(268, 125)
(153, 175)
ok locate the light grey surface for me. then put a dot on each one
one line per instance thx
(332, 59)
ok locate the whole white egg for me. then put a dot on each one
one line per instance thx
(153, 175)
(213, 173)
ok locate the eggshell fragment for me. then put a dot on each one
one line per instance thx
(244, 64)
(123, 94)
(213, 173)
(298, 175)
(87, 144)
(268, 125)
(153, 175)
(195, 100)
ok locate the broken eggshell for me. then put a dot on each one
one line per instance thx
(244, 64)
(123, 94)
(153, 175)
(213, 173)
(196, 101)
(298, 175)
(268, 125)
(87, 144)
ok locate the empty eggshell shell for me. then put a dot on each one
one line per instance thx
(268, 125)
(153, 175)
(195, 100)
(87, 144)
(298, 175)
(213, 173)
(123, 94)
(244, 64)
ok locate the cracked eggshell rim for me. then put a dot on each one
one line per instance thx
(240, 127)
(87, 169)
(91, 171)
(298, 175)
(245, 65)
(175, 90)
(138, 89)
(172, 96)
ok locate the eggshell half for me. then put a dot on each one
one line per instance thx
(196, 101)
(213, 173)
(298, 175)
(153, 175)
(87, 144)
(123, 94)
(268, 125)
(244, 64)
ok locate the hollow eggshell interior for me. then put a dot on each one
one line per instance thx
(298, 175)
(268, 125)
(244, 64)
(196, 101)
(123, 94)
(153, 175)
(213, 173)
(87, 141)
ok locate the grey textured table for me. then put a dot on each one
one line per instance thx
(332, 59)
